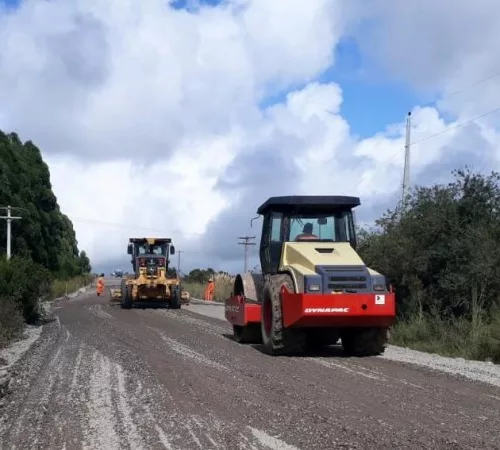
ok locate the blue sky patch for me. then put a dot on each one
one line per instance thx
(10, 4)
(193, 5)
(370, 99)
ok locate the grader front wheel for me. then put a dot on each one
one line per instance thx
(127, 298)
(175, 299)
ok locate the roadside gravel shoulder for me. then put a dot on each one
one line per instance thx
(14, 352)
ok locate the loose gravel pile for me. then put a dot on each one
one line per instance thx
(486, 372)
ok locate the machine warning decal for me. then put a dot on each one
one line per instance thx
(380, 299)
(232, 308)
(325, 310)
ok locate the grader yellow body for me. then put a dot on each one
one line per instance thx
(150, 283)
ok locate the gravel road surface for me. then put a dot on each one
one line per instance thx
(100, 377)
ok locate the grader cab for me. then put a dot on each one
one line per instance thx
(314, 287)
(150, 282)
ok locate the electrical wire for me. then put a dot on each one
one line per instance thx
(114, 224)
(475, 84)
(388, 160)
(457, 125)
(450, 128)
(432, 136)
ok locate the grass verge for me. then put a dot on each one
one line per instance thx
(223, 288)
(11, 320)
(478, 340)
(63, 287)
(13, 311)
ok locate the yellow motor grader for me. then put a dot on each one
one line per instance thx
(151, 282)
(115, 295)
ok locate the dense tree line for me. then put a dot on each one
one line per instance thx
(44, 234)
(43, 242)
(202, 275)
(441, 253)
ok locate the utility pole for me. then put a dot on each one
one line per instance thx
(406, 171)
(9, 218)
(179, 262)
(246, 242)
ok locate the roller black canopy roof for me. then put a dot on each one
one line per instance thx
(308, 202)
(156, 240)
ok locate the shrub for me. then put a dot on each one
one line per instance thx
(450, 337)
(61, 287)
(440, 253)
(11, 320)
(25, 283)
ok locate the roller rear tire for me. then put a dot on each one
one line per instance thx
(364, 341)
(249, 334)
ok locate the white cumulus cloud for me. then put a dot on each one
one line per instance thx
(151, 117)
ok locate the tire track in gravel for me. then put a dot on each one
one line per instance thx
(189, 319)
(394, 360)
(121, 398)
(175, 359)
(139, 393)
(428, 403)
(43, 392)
(386, 381)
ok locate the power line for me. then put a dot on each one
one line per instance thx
(476, 83)
(125, 226)
(363, 159)
(442, 95)
(179, 260)
(428, 137)
(113, 224)
(457, 125)
(9, 218)
(451, 94)
(246, 242)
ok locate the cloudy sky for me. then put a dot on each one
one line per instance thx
(179, 118)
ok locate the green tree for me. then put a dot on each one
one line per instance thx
(44, 244)
(84, 263)
(441, 252)
(199, 275)
(26, 283)
(44, 234)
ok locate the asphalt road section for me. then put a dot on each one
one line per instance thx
(100, 377)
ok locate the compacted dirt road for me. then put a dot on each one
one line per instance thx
(100, 377)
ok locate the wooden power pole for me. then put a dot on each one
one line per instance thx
(245, 240)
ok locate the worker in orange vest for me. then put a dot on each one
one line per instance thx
(100, 285)
(209, 291)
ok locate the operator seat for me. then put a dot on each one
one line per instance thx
(307, 234)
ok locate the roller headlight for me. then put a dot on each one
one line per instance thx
(312, 284)
(378, 283)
